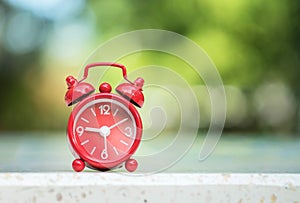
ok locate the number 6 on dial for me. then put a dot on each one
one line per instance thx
(128, 132)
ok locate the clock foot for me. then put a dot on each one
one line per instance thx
(78, 165)
(131, 165)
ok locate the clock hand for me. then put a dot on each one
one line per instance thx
(103, 131)
(118, 123)
(104, 153)
(96, 130)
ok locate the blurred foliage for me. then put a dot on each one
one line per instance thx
(252, 43)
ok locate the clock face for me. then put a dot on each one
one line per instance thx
(106, 130)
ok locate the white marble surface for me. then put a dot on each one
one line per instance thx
(163, 187)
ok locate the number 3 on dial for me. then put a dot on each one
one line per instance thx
(128, 132)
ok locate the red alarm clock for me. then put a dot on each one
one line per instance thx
(104, 129)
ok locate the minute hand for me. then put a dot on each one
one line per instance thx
(118, 123)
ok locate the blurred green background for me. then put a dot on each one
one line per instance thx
(254, 44)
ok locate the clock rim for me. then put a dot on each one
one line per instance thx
(75, 144)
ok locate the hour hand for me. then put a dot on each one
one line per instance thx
(96, 130)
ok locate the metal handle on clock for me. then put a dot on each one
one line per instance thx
(86, 69)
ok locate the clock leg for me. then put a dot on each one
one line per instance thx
(131, 165)
(78, 165)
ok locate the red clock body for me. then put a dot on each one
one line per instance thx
(104, 130)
